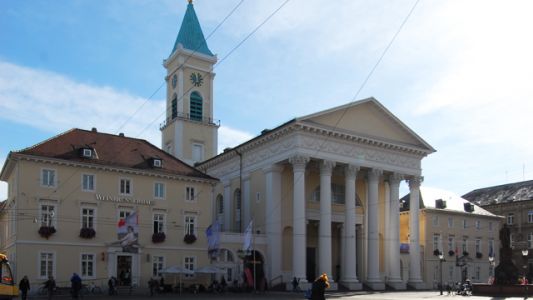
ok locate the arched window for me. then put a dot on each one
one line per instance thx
(237, 201)
(174, 106)
(196, 106)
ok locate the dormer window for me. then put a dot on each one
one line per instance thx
(87, 152)
(157, 162)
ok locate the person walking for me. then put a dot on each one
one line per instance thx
(151, 285)
(24, 287)
(295, 283)
(50, 286)
(75, 285)
(318, 289)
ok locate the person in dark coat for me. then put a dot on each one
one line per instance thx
(50, 286)
(24, 287)
(75, 285)
(319, 287)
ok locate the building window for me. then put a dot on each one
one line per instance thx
(530, 216)
(465, 246)
(87, 266)
(190, 224)
(87, 182)
(530, 240)
(436, 240)
(48, 178)
(46, 264)
(478, 224)
(478, 246)
(478, 272)
(450, 273)
(159, 223)
(190, 193)
(87, 217)
(189, 263)
(174, 106)
(435, 220)
(159, 190)
(238, 202)
(450, 222)
(197, 152)
(491, 248)
(123, 214)
(47, 215)
(451, 245)
(490, 226)
(510, 219)
(465, 224)
(196, 106)
(125, 186)
(158, 264)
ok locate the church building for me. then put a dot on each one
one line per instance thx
(321, 191)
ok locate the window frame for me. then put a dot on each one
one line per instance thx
(53, 218)
(201, 152)
(158, 264)
(510, 219)
(54, 179)
(188, 224)
(130, 186)
(83, 187)
(161, 227)
(39, 265)
(82, 216)
(190, 193)
(192, 268)
(162, 190)
(93, 261)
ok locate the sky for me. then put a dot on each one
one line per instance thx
(458, 73)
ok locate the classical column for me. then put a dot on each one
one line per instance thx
(349, 258)
(415, 280)
(227, 206)
(394, 278)
(324, 230)
(273, 218)
(246, 200)
(298, 217)
(299, 249)
(373, 278)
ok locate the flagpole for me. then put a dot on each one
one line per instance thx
(253, 249)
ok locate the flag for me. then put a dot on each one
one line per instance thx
(247, 245)
(130, 221)
(213, 238)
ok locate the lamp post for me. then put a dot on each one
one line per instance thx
(525, 253)
(441, 260)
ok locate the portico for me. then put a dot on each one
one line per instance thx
(314, 180)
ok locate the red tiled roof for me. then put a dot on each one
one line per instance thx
(111, 150)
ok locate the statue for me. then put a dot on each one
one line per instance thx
(505, 237)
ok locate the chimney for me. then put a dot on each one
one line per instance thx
(94, 129)
(121, 134)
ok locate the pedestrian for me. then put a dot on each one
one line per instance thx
(24, 287)
(318, 289)
(151, 285)
(111, 283)
(50, 286)
(295, 283)
(75, 285)
(223, 284)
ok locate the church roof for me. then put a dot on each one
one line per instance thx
(109, 150)
(518, 191)
(190, 35)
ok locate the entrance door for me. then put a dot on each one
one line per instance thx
(311, 264)
(124, 269)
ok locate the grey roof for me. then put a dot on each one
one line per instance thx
(518, 191)
(454, 203)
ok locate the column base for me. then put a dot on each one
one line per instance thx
(304, 286)
(376, 285)
(416, 285)
(352, 285)
(397, 285)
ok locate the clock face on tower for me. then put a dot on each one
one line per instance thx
(197, 79)
(174, 81)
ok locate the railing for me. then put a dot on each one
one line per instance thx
(187, 116)
(273, 282)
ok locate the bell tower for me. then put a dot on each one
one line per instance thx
(189, 131)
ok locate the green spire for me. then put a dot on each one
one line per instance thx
(190, 34)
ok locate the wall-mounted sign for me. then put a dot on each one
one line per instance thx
(126, 200)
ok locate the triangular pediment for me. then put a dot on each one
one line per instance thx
(367, 118)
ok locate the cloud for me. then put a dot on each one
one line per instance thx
(229, 137)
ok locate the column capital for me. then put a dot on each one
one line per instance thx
(273, 168)
(374, 174)
(246, 176)
(226, 183)
(395, 178)
(350, 171)
(415, 181)
(326, 167)
(299, 162)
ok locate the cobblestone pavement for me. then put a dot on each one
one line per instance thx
(286, 295)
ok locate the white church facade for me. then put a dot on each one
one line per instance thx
(322, 190)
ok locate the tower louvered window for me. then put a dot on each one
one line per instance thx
(174, 106)
(196, 106)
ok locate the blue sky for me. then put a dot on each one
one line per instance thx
(459, 73)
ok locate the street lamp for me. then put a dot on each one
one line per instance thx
(525, 252)
(491, 276)
(441, 259)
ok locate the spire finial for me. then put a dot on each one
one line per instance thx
(190, 1)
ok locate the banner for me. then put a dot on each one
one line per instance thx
(247, 245)
(128, 233)
(213, 238)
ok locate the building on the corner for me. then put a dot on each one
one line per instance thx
(465, 234)
(513, 201)
(102, 205)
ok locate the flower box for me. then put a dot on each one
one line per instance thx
(189, 238)
(87, 233)
(158, 237)
(46, 231)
